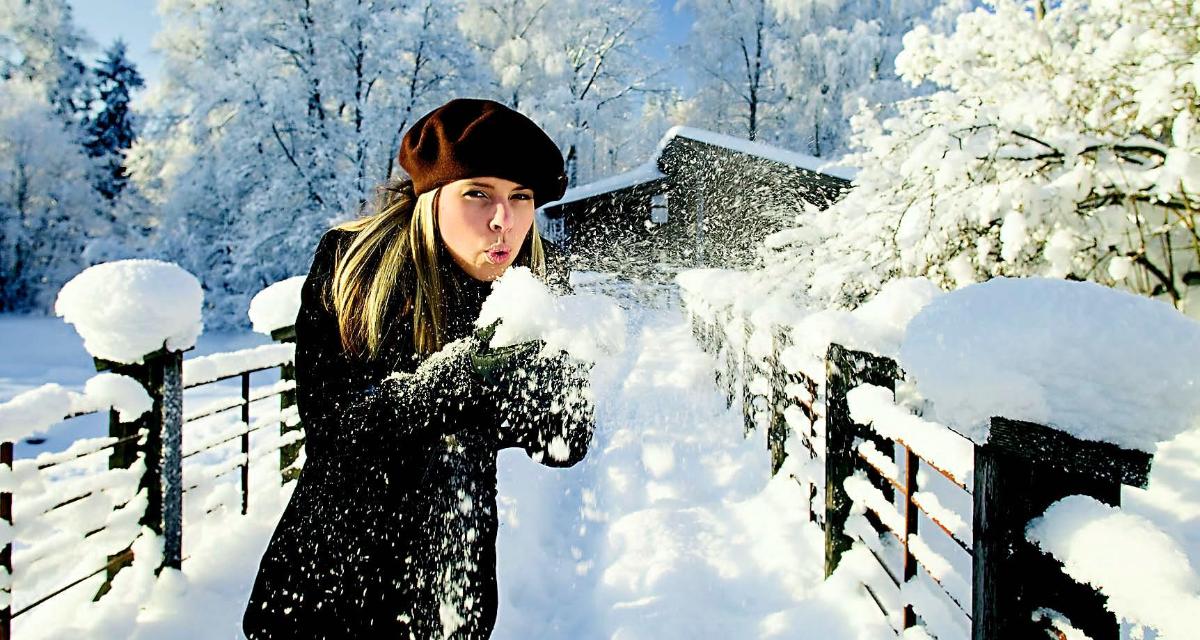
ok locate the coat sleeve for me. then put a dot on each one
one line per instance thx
(545, 408)
(345, 407)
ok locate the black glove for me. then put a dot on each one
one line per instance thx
(493, 366)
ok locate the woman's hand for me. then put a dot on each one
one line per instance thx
(542, 401)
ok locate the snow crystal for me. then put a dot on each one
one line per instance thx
(126, 309)
(586, 326)
(1143, 573)
(1097, 363)
(276, 306)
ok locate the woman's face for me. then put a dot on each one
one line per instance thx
(483, 223)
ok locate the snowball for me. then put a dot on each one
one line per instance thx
(124, 394)
(126, 309)
(276, 306)
(1141, 570)
(586, 326)
(1095, 362)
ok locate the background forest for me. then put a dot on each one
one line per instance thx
(274, 118)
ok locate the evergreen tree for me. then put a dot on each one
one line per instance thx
(112, 129)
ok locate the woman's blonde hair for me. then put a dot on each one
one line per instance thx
(396, 258)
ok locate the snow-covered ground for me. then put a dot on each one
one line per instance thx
(671, 527)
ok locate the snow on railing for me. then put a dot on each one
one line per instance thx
(219, 366)
(1142, 572)
(938, 508)
(79, 511)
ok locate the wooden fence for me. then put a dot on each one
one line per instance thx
(872, 495)
(153, 448)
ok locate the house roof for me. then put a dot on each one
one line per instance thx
(649, 170)
(641, 174)
(758, 149)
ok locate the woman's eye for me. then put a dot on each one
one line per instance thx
(523, 196)
(475, 193)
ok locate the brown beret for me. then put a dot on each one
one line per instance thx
(468, 138)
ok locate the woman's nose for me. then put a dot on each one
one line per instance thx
(501, 218)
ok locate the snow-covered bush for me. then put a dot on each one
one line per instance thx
(1059, 145)
(47, 209)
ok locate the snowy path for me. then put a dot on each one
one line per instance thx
(670, 528)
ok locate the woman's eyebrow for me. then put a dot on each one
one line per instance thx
(492, 186)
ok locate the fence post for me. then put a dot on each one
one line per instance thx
(1021, 470)
(844, 370)
(6, 514)
(161, 373)
(245, 441)
(288, 454)
(777, 433)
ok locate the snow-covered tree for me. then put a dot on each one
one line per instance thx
(836, 52)
(574, 66)
(40, 42)
(791, 72)
(277, 118)
(111, 130)
(1061, 142)
(47, 207)
(728, 57)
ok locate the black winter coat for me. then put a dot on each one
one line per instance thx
(391, 529)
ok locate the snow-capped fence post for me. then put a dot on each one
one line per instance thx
(273, 312)
(137, 317)
(1021, 470)
(845, 370)
(161, 373)
(290, 453)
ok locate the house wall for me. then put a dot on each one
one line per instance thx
(721, 205)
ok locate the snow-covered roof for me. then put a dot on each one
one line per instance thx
(649, 170)
(758, 149)
(638, 175)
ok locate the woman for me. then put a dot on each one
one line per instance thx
(391, 529)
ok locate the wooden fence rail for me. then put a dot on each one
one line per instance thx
(1021, 470)
(157, 439)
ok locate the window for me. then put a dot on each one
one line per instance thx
(658, 208)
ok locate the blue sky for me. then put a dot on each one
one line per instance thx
(136, 22)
